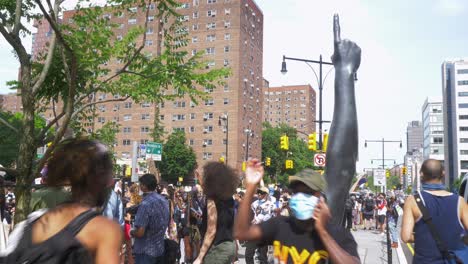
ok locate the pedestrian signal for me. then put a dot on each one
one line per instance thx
(312, 143)
(289, 164)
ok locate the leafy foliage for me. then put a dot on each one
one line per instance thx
(179, 160)
(9, 139)
(298, 152)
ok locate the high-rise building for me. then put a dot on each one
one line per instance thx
(433, 127)
(41, 36)
(231, 34)
(455, 111)
(10, 102)
(414, 136)
(291, 105)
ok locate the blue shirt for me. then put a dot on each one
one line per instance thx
(114, 208)
(153, 216)
(444, 213)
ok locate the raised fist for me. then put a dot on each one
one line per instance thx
(254, 172)
(347, 54)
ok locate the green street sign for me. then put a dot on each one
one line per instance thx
(154, 151)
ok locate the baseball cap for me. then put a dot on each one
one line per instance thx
(263, 189)
(313, 179)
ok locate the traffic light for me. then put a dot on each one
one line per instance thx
(325, 142)
(403, 170)
(313, 141)
(268, 162)
(387, 173)
(128, 171)
(289, 164)
(221, 159)
(244, 166)
(284, 142)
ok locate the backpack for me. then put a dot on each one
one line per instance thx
(61, 248)
(370, 205)
(349, 205)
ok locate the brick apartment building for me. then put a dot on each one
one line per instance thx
(231, 34)
(291, 105)
(10, 103)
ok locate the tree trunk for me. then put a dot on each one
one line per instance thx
(27, 148)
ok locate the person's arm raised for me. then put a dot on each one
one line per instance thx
(243, 230)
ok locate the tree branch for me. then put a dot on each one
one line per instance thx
(15, 42)
(45, 70)
(137, 52)
(17, 25)
(48, 126)
(99, 102)
(8, 125)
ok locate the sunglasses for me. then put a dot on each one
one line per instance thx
(261, 193)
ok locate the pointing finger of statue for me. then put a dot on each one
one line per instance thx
(336, 28)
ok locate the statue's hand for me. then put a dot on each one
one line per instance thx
(347, 54)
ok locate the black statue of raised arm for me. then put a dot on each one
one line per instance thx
(343, 140)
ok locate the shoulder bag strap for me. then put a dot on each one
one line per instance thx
(426, 216)
(75, 226)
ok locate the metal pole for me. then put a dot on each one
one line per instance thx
(247, 147)
(382, 188)
(320, 104)
(134, 161)
(227, 137)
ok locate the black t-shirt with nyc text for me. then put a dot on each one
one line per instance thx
(291, 244)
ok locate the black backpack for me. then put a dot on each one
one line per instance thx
(61, 248)
(349, 205)
(370, 205)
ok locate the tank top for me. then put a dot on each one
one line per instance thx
(444, 213)
(224, 223)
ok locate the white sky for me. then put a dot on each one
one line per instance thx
(403, 45)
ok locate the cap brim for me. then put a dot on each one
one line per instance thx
(308, 184)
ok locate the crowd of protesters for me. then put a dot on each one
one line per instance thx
(87, 215)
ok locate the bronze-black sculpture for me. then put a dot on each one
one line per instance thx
(342, 149)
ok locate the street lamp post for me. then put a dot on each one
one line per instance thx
(383, 141)
(225, 119)
(320, 83)
(249, 133)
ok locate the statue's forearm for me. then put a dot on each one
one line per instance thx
(343, 146)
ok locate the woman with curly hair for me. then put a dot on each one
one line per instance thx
(219, 183)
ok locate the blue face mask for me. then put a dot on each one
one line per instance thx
(302, 205)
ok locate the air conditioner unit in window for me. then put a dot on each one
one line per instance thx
(205, 130)
(204, 144)
(205, 118)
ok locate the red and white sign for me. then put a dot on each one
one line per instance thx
(320, 159)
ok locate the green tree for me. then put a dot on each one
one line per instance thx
(298, 152)
(73, 69)
(178, 159)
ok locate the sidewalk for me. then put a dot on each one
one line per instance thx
(372, 247)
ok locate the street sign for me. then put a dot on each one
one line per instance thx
(154, 151)
(320, 159)
(379, 177)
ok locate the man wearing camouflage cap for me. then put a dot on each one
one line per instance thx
(306, 236)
